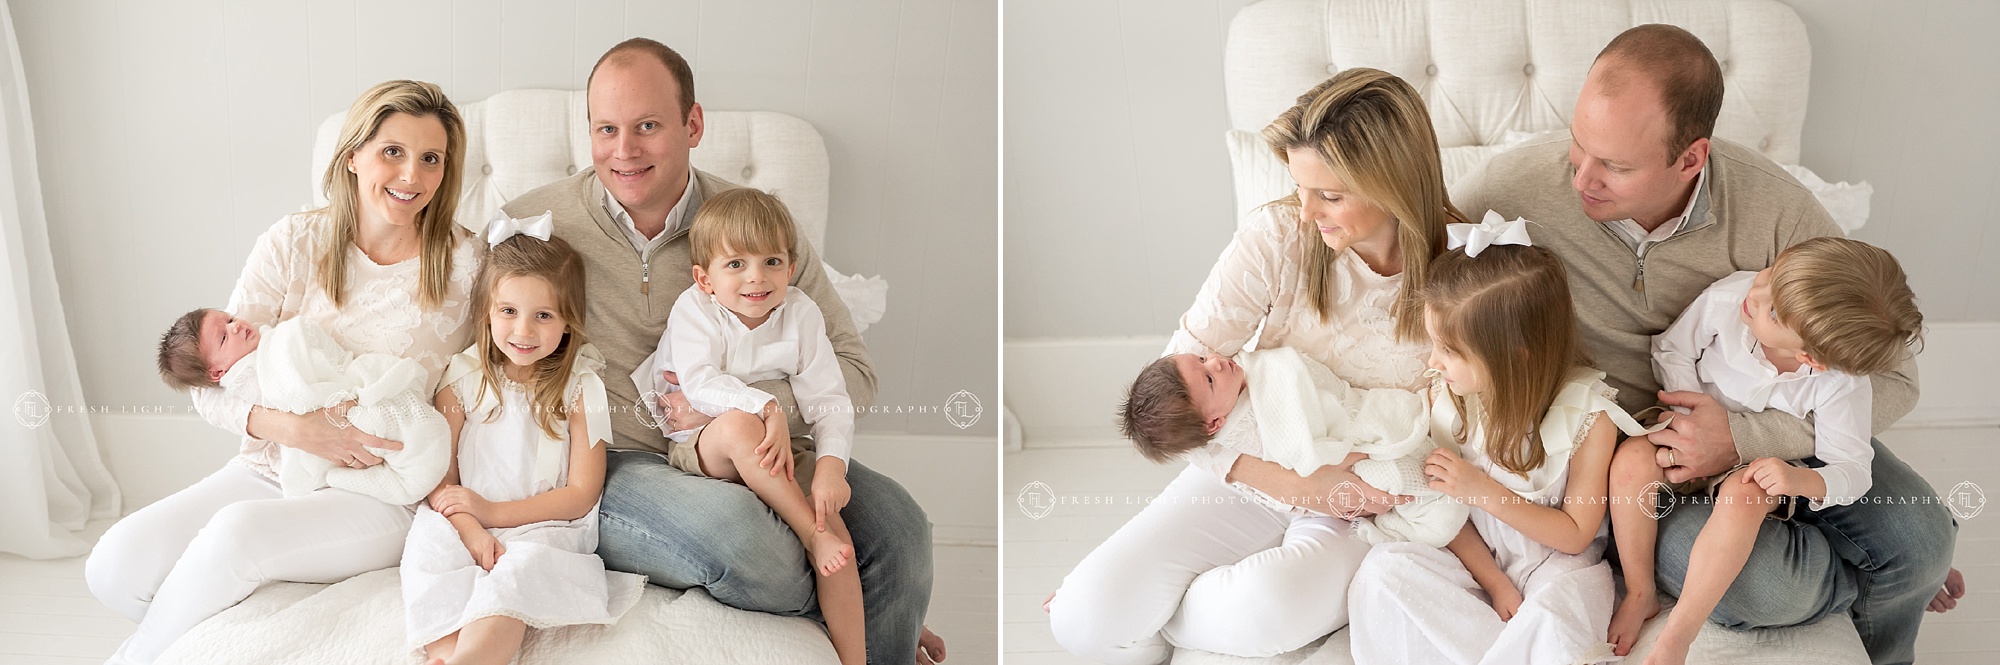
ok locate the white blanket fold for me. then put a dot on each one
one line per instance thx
(299, 368)
(1308, 418)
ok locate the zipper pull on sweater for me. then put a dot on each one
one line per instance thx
(645, 277)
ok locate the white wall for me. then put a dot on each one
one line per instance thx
(1118, 196)
(170, 134)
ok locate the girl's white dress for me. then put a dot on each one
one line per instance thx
(550, 574)
(1415, 604)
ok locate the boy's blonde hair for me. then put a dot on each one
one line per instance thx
(1159, 415)
(742, 220)
(181, 364)
(1508, 311)
(1849, 301)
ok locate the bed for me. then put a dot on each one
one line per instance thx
(1495, 73)
(518, 140)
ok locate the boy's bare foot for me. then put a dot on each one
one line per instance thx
(1625, 621)
(1947, 597)
(930, 648)
(829, 552)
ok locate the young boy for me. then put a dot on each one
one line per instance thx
(741, 323)
(296, 366)
(1801, 337)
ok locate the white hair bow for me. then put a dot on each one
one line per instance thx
(1494, 230)
(503, 227)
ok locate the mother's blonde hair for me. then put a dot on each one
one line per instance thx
(435, 223)
(1372, 130)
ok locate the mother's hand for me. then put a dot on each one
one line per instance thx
(325, 434)
(1356, 499)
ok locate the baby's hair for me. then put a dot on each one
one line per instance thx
(743, 220)
(1508, 312)
(553, 261)
(1159, 414)
(1849, 301)
(181, 364)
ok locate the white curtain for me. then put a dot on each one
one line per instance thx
(52, 477)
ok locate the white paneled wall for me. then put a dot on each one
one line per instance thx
(172, 133)
(1118, 194)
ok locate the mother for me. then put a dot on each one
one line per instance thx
(384, 269)
(1228, 559)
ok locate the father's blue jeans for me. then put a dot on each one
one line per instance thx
(1883, 557)
(682, 530)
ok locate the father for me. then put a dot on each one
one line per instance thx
(629, 217)
(1646, 210)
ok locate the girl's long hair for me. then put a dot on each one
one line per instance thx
(435, 224)
(1508, 312)
(1372, 130)
(553, 261)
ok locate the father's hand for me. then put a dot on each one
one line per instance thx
(1696, 444)
(680, 414)
(326, 434)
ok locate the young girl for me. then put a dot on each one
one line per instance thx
(1516, 415)
(508, 540)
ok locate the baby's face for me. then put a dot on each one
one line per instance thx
(1214, 382)
(224, 340)
(748, 285)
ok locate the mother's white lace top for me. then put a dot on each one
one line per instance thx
(381, 313)
(1260, 282)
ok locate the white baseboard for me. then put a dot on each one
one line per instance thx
(954, 478)
(1066, 390)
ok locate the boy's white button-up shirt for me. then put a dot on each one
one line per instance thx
(1711, 350)
(717, 357)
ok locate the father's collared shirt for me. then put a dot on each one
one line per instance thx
(1637, 238)
(677, 220)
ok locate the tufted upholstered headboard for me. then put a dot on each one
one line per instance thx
(1495, 71)
(518, 140)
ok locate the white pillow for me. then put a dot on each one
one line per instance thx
(1260, 177)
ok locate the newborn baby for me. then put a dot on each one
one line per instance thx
(1302, 417)
(297, 367)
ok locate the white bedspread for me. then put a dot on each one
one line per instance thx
(360, 620)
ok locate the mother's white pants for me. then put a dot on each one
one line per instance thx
(189, 556)
(1206, 567)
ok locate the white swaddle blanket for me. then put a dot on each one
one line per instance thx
(1308, 418)
(300, 368)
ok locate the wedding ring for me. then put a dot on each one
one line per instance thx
(1670, 457)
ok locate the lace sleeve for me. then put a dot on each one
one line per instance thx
(263, 296)
(1240, 289)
